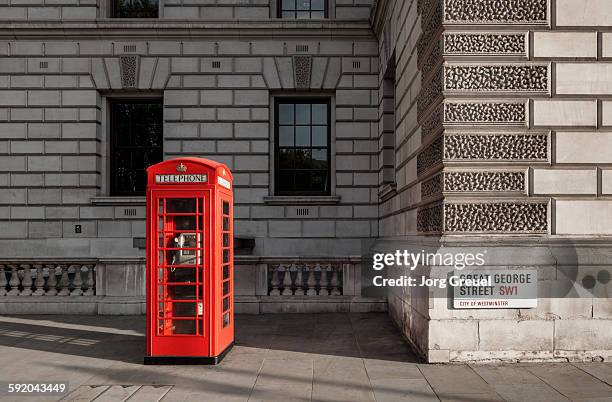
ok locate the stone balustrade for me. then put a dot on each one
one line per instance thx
(303, 279)
(46, 279)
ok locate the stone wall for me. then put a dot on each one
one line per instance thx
(501, 118)
(208, 10)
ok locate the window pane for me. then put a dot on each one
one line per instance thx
(135, 9)
(289, 14)
(302, 136)
(285, 136)
(317, 15)
(285, 114)
(319, 180)
(181, 205)
(303, 5)
(302, 159)
(319, 136)
(317, 5)
(303, 15)
(285, 159)
(319, 114)
(302, 114)
(288, 5)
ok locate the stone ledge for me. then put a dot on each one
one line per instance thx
(118, 200)
(302, 200)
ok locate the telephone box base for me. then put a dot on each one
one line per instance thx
(186, 360)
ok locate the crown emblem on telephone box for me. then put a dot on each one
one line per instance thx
(181, 168)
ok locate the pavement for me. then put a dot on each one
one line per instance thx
(288, 357)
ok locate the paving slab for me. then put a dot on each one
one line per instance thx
(571, 382)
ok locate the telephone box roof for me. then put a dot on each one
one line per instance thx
(213, 165)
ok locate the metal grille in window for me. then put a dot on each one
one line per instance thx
(135, 8)
(302, 153)
(303, 9)
(136, 143)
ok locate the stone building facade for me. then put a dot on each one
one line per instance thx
(449, 125)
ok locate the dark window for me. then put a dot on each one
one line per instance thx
(302, 152)
(136, 143)
(303, 9)
(387, 124)
(135, 8)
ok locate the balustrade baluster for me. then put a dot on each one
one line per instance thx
(51, 281)
(299, 282)
(335, 282)
(275, 282)
(324, 282)
(64, 282)
(14, 282)
(26, 282)
(39, 283)
(90, 282)
(311, 282)
(77, 281)
(287, 283)
(3, 281)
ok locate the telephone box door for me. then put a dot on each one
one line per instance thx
(180, 281)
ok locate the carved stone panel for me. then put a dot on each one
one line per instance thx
(302, 66)
(532, 78)
(496, 217)
(432, 124)
(512, 147)
(431, 92)
(429, 219)
(129, 70)
(432, 30)
(432, 187)
(496, 11)
(430, 157)
(484, 181)
(485, 113)
(489, 44)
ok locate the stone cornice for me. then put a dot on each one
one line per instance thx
(183, 29)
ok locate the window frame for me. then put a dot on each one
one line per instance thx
(327, 101)
(279, 11)
(112, 138)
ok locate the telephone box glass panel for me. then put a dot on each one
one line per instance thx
(181, 284)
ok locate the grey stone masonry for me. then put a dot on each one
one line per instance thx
(207, 10)
(217, 97)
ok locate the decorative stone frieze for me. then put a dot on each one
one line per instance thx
(432, 124)
(432, 187)
(512, 147)
(424, 6)
(533, 78)
(432, 61)
(302, 67)
(484, 181)
(432, 30)
(496, 217)
(430, 92)
(489, 44)
(129, 71)
(496, 11)
(429, 219)
(485, 113)
(431, 156)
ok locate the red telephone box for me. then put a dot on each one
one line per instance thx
(190, 279)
